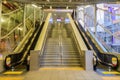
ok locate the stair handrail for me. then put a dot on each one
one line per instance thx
(42, 38)
(79, 39)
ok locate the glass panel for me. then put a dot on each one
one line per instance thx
(108, 22)
(12, 27)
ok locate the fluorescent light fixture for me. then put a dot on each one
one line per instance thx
(34, 5)
(4, 1)
(50, 7)
(67, 7)
(40, 7)
(48, 0)
(20, 29)
(70, 0)
(2, 20)
(87, 6)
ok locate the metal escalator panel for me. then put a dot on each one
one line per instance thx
(59, 49)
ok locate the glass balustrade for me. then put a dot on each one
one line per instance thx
(13, 25)
(105, 25)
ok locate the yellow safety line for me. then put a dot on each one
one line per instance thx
(13, 72)
(61, 68)
(111, 72)
(11, 78)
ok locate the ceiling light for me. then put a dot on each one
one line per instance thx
(69, 0)
(40, 7)
(4, 1)
(67, 7)
(34, 5)
(50, 7)
(20, 29)
(2, 20)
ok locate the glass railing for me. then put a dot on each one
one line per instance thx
(13, 27)
(10, 20)
(108, 39)
(105, 27)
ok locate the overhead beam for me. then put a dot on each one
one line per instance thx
(80, 2)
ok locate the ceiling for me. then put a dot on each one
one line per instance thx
(64, 3)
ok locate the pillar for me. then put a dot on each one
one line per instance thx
(24, 20)
(84, 17)
(95, 19)
(34, 16)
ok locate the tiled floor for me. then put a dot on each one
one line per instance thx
(111, 78)
(59, 74)
(62, 75)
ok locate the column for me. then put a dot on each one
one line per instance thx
(24, 22)
(84, 17)
(74, 13)
(34, 16)
(40, 19)
(95, 19)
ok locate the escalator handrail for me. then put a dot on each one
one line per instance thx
(42, 38)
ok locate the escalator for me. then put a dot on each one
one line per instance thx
(19, 60)
(101, 57)
(60, 48)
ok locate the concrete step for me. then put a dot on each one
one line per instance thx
(60, 56)
(59, 64)
(63, 53)
(59, 61)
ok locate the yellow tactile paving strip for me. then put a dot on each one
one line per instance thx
(112, 72)
(111, 78)
(11, 78)
(61, 68)
(13, 72)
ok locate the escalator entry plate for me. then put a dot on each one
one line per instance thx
(13, 72)
(110, 72)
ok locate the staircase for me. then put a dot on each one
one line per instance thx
(59, 49)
